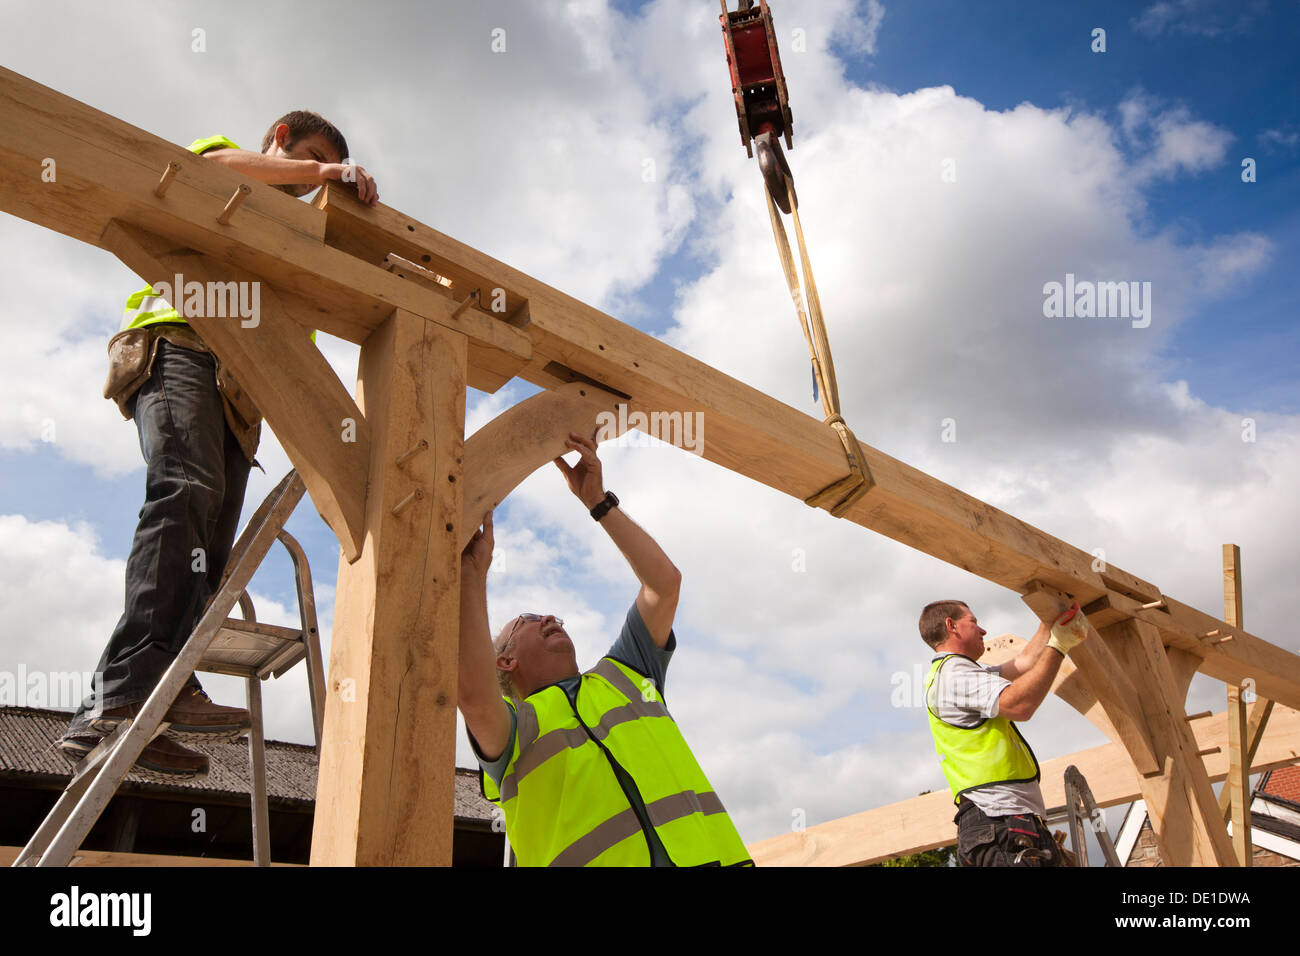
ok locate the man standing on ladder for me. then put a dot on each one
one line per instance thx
(989, 766)
(588, 768)
(198, 434)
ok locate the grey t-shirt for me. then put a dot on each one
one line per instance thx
(964, 693)
(634, 647)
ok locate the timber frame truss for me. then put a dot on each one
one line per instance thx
(392, 474)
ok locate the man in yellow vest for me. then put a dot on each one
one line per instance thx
(588, 768)
(198, 434)
(989, 766)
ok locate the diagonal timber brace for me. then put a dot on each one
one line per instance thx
(325, 435)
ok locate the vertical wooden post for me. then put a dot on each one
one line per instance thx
(387, 768)
(1188, 827)
(1237, 786)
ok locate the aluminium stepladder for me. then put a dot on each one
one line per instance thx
(244, 648)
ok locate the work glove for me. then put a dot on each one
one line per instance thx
(1068, 630)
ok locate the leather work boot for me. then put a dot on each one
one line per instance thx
(162, 761)
(193, 717)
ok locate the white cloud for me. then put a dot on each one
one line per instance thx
(933, 296)
(1207, 18)
(1170, 140)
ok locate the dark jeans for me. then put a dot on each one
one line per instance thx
(996, 841)
(194, 491)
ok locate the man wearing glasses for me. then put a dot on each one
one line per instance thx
(588, 767)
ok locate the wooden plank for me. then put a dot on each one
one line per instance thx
(282, 371)
(1105, 678)
(1257, 721)
(385, 789)
(1237, 787)
(925, 822)
(106, 858)
(517, 442)
(106, 169)
(1184, 813)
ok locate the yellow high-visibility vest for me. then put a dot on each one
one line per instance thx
(143, 307)
(563, 800)
(993, 751)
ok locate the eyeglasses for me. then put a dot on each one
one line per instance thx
(527, 619)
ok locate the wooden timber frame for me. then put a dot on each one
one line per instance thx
(392, 474)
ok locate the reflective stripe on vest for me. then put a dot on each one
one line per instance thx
(563, 803)
(993, 751)
(143, 307)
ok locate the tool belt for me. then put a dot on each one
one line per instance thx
(131, 354)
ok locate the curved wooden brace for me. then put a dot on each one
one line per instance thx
(505, 451)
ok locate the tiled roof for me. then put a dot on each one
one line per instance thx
(28, 748)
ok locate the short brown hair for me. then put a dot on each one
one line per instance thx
(303, 123)
(934, 617)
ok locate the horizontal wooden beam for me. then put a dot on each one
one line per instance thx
(925, 822)
(73, 169)
(748, 432)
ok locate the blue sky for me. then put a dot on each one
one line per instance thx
(1123, 165)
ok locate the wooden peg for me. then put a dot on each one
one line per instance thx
(1204, 713)
(168, 175)
(1222, 640)
(1213, 633)
(415, 495)
(472, 297)
(414, 450)
(1152, 605)
(240, 195)
(1209, 750)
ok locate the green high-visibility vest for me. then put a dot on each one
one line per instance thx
(993, 751)
(143, 307)
(563, 800)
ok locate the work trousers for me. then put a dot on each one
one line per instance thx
(998, 841)
(194, 491)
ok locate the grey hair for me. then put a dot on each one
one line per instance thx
(498, 645)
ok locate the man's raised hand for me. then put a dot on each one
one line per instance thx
(585, 478)
(478, 553)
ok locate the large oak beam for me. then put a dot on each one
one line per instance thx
(925, 822)
(385, 793)
(750, 433)
(1185, 816)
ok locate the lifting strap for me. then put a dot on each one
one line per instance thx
(839, 495)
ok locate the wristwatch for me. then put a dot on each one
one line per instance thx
(603, 507)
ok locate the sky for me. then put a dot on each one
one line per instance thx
(953, 160)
